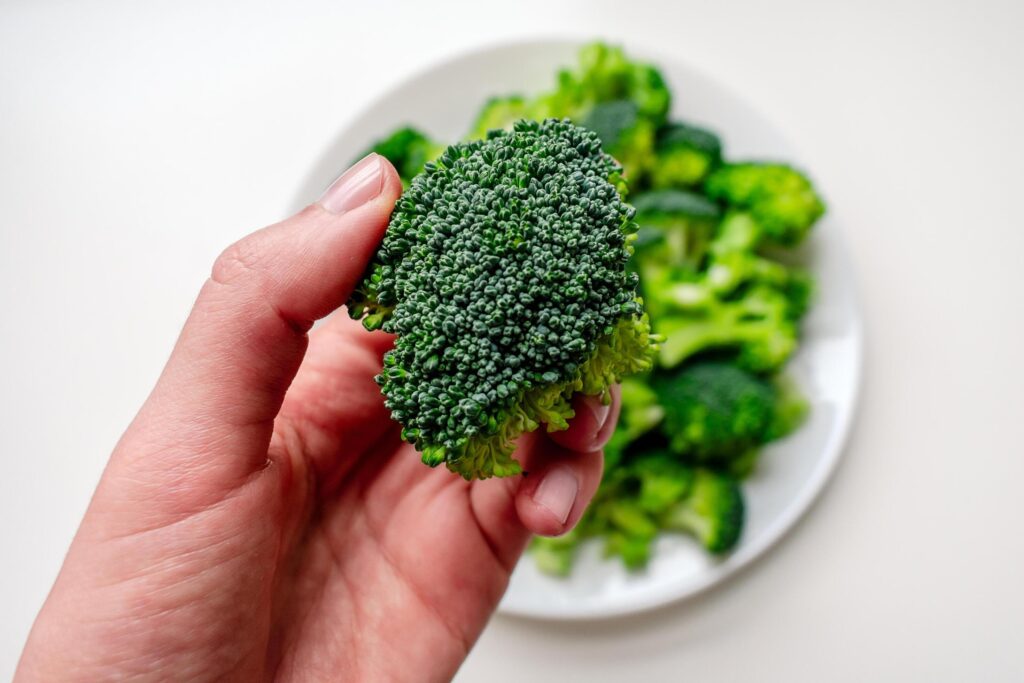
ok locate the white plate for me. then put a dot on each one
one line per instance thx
(443, 101)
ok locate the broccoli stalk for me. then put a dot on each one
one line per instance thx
(503, 275)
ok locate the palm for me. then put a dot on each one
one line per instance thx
(260, 519)
(407, 561)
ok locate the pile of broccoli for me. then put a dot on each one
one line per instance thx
(712, 254)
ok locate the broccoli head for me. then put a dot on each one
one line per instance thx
(757, 325)
(712, 512)
(684, 156)
(624, 134)
(676, 227)
(780, 199)
(705, 286)
(640, 413)
(408, 150)
(605, 74)
(503, 275)
(715, 412)
(499, 113)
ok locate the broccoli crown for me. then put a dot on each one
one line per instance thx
(685, 154)
(662, 205)
(624, 102)
(713, 512)
(499, 113)
(605, 74)
(408, 150)
(780, 199)
(503, 273)
(757, 325)
(714, 411)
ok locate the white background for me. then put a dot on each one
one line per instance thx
(136, 140)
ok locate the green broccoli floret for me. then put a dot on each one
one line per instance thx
(499, 113)
(713, 512)
(604, 74)
(790, 409)
(625, 102)
(624, 134)
(780, 199)
(640, 413)
(734, 261)
(408, 150)
(715, 412)
(676, 227)
(757, 325)
(692, 283)
(555, 555)
(503, 275)
(684, 156)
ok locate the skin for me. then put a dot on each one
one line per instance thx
(260, 519)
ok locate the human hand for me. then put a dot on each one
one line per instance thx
(261, 519)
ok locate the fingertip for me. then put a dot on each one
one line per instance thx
(593, 423)
(553, 497)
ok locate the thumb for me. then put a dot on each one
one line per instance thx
(211, 415)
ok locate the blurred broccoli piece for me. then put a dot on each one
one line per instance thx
(499, 113)
(684, 156)
(663, 480)
(408, 150)
(713, 512)
(555, 555)
(734, 261)
(757, 325)
(715, 412)
(604, 74)
(676, 227)
(624, 134)
(790, 409)
(687, 303)
(780, 199)
(640, 413)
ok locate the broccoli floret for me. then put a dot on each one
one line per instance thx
(623, 101)
(499, 113)
(624, 134)
(715, 412)
(691, 283)
(780, 199)
(757, 325)
(408, 150)
(503, 275)
(640, 413)
(790, 409)
(713, 511)
(675, 230)
(684, 156)
(604, 74)
(555, 555)
(734, 261)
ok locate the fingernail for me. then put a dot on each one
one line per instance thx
(356, 186)
(598, 411)
(557, 492)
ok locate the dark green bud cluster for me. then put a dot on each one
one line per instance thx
(503, 275)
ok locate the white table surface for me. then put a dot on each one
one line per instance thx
(138, 139)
